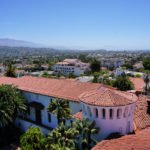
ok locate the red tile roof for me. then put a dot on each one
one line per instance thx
(139, 141)
(61, 88)
(78, 115)
(138, 84)
(105, 96)
(141, 117)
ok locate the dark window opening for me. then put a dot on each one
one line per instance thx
(103, 113)
(49, 117)
(111, 113)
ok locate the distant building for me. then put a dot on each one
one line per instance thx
(68, 66)
(138, 66)
(119, 71)
(112, 62)
(85, 78)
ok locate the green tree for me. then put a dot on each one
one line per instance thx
(127, 66)
(87, 130)
(11, 103)
(96, 77)
(123, 83)
(82, 57)
(95, 66)
(147, 82)
(10, 71)
(63, 137)
(71, 75)
(60, 109)
(32, 139)
(146, 64)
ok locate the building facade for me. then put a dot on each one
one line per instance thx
(71, 66)
(112, 110)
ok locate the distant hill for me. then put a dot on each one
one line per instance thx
(17, 43)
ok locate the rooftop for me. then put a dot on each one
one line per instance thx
(141, 116)
(139, 141)
(61, 88)
(104, 96)
(138, 83)
(78, 115)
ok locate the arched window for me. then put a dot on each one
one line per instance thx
(111, 114)
(119, 112)
(95, 112)
(125, 112)
(103, 113)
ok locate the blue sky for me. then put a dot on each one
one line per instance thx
(91, 24)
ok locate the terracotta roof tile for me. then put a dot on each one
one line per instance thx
(105, 96)
(138, 83)
(139, 141)
(141, 117)
(61, 88)
(78, 115)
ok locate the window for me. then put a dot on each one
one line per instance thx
(119, 112)
(111, 113)
(49, 117)
(95, 112)
(103, 113)
(28, 111)
(125, 112)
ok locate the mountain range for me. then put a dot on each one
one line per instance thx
(18, 43)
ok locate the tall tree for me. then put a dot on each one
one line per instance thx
(60, 109)
(63, 136)
(95, 66)
(11, 103)
(10, 72)
(123, 83)
(146, 64)
(32, 140)
(87, 130)
(147, 82)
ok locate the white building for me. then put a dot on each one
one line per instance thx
(112, 62)
(120, 71)
(73, 66)
(111, 109)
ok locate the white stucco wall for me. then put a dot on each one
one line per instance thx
(75, 107)
(45, 100)
(108, 125)
(25, 125)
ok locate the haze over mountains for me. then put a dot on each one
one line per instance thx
(18, 43)
(22, 43)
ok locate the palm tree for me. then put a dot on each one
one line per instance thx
(32, 139)
(87, 130)
(60, 109)
(11, 103)
(147, 82)
(10, 72)
(63, 136)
